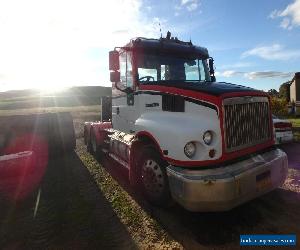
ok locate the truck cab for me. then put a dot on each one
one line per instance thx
(183, 136)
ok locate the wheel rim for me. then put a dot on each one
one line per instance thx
(152, 178)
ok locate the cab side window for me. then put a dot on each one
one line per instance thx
(126, 69)
(129, 74)
(123, 69)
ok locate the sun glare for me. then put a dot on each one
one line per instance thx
(68, 49)
(50, 90)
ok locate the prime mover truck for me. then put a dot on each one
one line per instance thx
(182, 135)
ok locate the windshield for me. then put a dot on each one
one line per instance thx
(156, 68)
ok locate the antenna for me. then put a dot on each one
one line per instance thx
(160, 30)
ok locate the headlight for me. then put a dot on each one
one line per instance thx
(207, 137)
(190, 149)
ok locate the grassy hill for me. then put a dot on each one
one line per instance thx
(75, 96)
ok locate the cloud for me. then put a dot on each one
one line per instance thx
(272, 52)
(290, 15)
(236, 65)
(268, 74)
(255, 74)
(274, 14)
(286, 24)
(228, 73)
(189, 5)
(120, 32)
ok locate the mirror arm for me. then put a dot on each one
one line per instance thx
(127, 90)
(118, 88)
(211, 69)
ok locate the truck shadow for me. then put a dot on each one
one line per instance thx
(68, 211)
(292, 150)
(274, 213)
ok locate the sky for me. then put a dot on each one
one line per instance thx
(53, 44)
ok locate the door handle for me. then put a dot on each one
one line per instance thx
(118, 110)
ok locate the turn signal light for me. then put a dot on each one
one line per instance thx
(212, 153)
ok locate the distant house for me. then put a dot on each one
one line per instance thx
(295, 88)
(295, 91)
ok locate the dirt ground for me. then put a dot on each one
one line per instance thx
(83, 203)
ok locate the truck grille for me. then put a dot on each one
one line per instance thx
(246, 122)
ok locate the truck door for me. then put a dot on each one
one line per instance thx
(123, 105)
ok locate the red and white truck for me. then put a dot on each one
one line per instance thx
(183, 136)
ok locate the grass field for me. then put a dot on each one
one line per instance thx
(48, 101)
(296, 126)
(81, 102)
(74, 110)
(76, 96)
(80, 114)
(295, 122)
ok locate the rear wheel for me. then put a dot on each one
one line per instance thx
(92, 143)
(89, 144)
(153, 178)
(93, 146)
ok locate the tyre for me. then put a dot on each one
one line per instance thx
(93, 147)
(88, 144)
(153, 179)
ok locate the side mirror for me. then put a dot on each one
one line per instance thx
(114, 63)
(211, 69)
(115, 76)
(211, 65)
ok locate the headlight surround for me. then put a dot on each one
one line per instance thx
(208, 137)
(190, 149)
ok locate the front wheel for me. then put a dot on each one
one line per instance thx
(153, 178)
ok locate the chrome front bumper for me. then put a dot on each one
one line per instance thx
(223, 188)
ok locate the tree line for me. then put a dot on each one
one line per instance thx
(280, 99)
